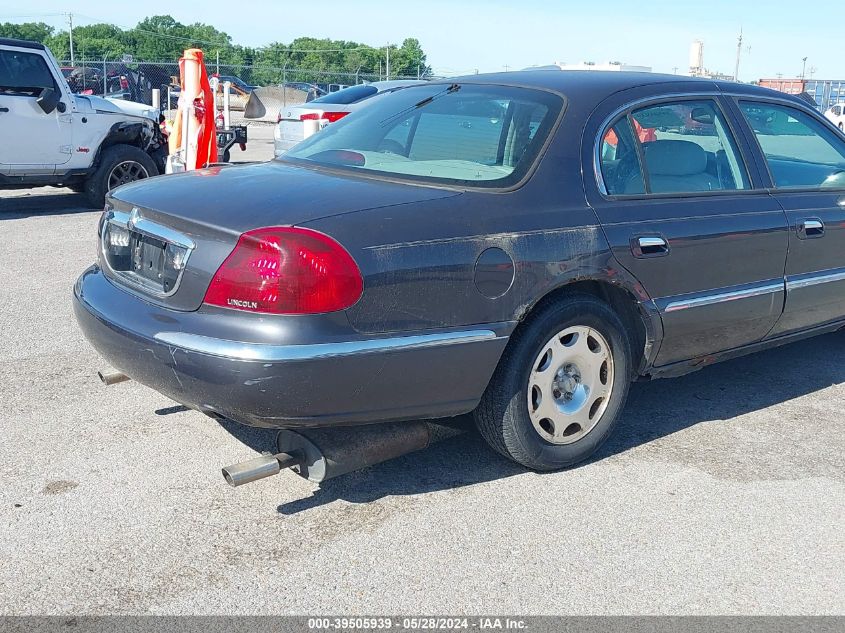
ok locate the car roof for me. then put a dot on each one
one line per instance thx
(393, 83)
(599, 84)
(7, 41)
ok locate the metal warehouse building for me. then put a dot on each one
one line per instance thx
(825, 92)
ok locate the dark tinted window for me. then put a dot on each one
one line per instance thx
(23, 74)
(484, 136)
(347, 95)
(800, 151)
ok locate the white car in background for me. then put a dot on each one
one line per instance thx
(836, 115)
(296, 123)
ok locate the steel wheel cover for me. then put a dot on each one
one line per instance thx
(570, 384)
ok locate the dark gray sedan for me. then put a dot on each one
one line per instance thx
(521, 246)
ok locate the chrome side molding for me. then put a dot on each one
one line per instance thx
(795, 282)
(721, 297)
(812, 279)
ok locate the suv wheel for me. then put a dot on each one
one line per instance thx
(119, 164)
(560, 385)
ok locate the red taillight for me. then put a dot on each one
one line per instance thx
(286, 270)
(331, 117)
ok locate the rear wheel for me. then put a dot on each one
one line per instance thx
(840, 127)
(560, 385)
(119, 165)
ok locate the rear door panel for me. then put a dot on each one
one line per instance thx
(720, 286)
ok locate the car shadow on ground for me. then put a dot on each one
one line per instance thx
(42, 201)
(655, 410)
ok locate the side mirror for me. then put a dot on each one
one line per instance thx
(48, 100)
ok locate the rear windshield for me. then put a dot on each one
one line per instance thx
(464, 134)
(347, 95)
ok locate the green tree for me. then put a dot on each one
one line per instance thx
(32, 31)
(162, 38)
(92, 42)
(408, 60)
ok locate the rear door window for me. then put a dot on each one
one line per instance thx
(24, 74)
(687, 147)
(800, 151)
(675, 147)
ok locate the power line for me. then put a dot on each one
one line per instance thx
(31, 15)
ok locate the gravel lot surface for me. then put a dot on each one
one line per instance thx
(720, 492)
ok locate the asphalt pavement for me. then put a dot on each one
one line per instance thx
(720, 492)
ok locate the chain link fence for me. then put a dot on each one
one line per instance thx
(135, 80)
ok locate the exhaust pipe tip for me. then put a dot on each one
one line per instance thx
(257, 468)
(112, 378)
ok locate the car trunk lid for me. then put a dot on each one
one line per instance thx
(164, 238)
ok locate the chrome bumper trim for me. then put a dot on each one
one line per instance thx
(237, 350)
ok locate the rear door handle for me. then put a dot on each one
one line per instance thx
(4, 109)
(810, 228)
(649, 246)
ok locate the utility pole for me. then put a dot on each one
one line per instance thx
(70, 34)
(387, 63)
(674, 70)
(218, 63)
(738, 53)
(803, 68)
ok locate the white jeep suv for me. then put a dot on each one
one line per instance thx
(51, 136)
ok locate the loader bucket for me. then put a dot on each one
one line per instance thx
(265, 103)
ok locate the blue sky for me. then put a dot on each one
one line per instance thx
(460, 37)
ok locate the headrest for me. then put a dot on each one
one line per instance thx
(674, 158)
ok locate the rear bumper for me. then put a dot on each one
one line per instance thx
(281, 144)
(331, 380)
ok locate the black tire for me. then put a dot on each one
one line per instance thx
(503, 417)
(226, 156)
(840, 127)
(97, 185)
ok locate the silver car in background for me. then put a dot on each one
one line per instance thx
(296, 123)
